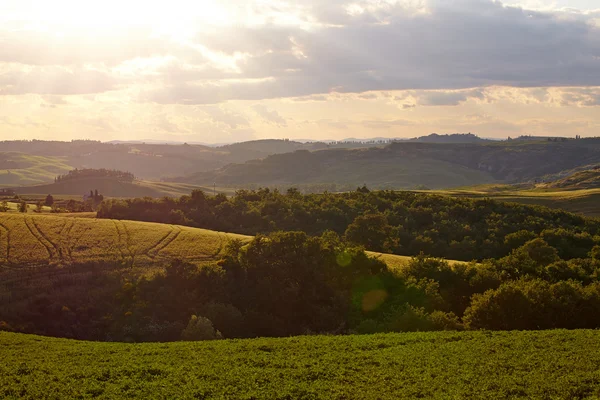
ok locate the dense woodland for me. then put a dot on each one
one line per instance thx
(404, 223)
(87, 173)
(536, 269)
(288, 283)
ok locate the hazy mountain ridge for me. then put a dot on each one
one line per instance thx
(410, 164)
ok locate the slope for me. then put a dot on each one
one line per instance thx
(48, 239)
(376, 167)
(35, 239)
(27, 169)
(581, 201)
(111, 187)
(551, 364)
(404, 165)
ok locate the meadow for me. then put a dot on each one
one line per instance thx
(35, 239)
(546, 365)
(28, 169)
(580, 201)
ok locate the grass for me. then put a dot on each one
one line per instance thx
(396, 262)
(41, 239)
(492, 365)
(56, 239)
(583, 201)
(27, 169)
(111, 187)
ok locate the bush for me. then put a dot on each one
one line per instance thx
(535, 304)
(200, 328)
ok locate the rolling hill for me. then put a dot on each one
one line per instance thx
(36, 162)
(48, 239)
(551, 364)
(110, 187)
(28, 169)
(405, 165)
(35, 239)
(579, 201)
(580, 179)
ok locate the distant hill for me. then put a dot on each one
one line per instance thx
(410, 164)
(450, 138)
(375, 167)
(28, 169)
(584, 179)
(110, 187)
(35, 162)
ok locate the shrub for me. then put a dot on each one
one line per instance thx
(535, 304)
(200, 328)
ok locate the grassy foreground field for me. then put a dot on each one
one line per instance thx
(548, 365)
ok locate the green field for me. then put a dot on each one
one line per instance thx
(25, 169)
(41, 239)
(36, 239)
(492, 365)
(110, 187)
(582, 201)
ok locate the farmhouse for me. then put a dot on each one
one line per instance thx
(7, 192)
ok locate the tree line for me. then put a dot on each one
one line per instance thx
(288, 283)
(404, 223)
(87, 173)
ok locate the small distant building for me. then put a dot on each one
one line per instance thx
(7, 192)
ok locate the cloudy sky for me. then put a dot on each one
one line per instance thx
(222, 71)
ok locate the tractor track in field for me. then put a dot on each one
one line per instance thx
(40, 238)
(165, 241)
(57, 247)
(119, 241)
(132, 253)
(65, 235)
(5, 232)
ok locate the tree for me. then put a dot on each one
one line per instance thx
(4, 206)
(39, 206)
(23, 207)
(49, 201)
(371, 231)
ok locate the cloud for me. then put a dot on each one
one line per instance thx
(448, 98)
(386, 124)
(450, 45)
(37, 47)
(54, 80)
(309, 49)
(271, 116)
(226, 117)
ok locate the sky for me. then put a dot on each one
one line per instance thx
(234, 70)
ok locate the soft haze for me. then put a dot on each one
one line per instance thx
(216, 71)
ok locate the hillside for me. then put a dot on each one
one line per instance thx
(43, 239)
(579, 201)
(376, 167)
(28, 169)
(552, 364)
(110, 187)
(405, 165)
(40, 239)
(582, 179)
(34, 162)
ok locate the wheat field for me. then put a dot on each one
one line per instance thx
(27, 239)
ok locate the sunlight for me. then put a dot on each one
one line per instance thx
(177, 18)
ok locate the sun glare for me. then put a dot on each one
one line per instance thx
(174, 17)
